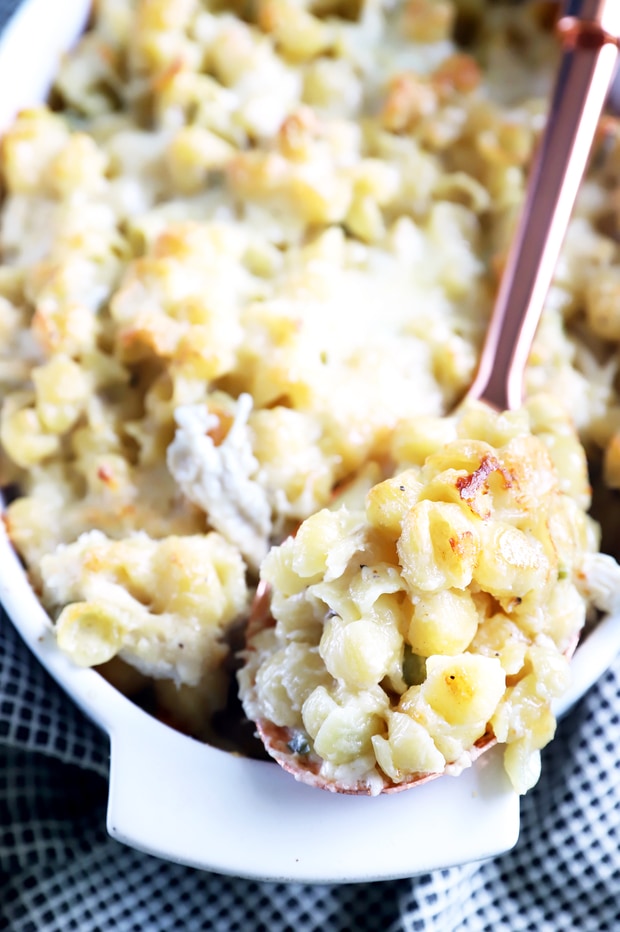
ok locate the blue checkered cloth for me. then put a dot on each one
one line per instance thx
(7, 8)
(60, 871)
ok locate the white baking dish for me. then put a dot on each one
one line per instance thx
(181, 800)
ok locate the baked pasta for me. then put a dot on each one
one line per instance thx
(247, 255)
(410, 632)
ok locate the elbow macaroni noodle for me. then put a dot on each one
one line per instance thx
(247, 253)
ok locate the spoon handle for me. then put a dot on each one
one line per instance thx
(590, 31)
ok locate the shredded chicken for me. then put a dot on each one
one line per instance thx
(219, 480)
(599, 581)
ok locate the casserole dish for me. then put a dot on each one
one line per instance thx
(176, 798)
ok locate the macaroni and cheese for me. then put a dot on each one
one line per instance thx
(435, 616)
(247, 256)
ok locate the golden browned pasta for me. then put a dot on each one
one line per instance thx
(247, 257)
(440, 614)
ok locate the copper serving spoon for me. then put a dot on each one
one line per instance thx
(590, 34)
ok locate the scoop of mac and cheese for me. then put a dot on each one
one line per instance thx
(437, 616)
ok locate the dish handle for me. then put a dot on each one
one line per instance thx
(156, 803)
